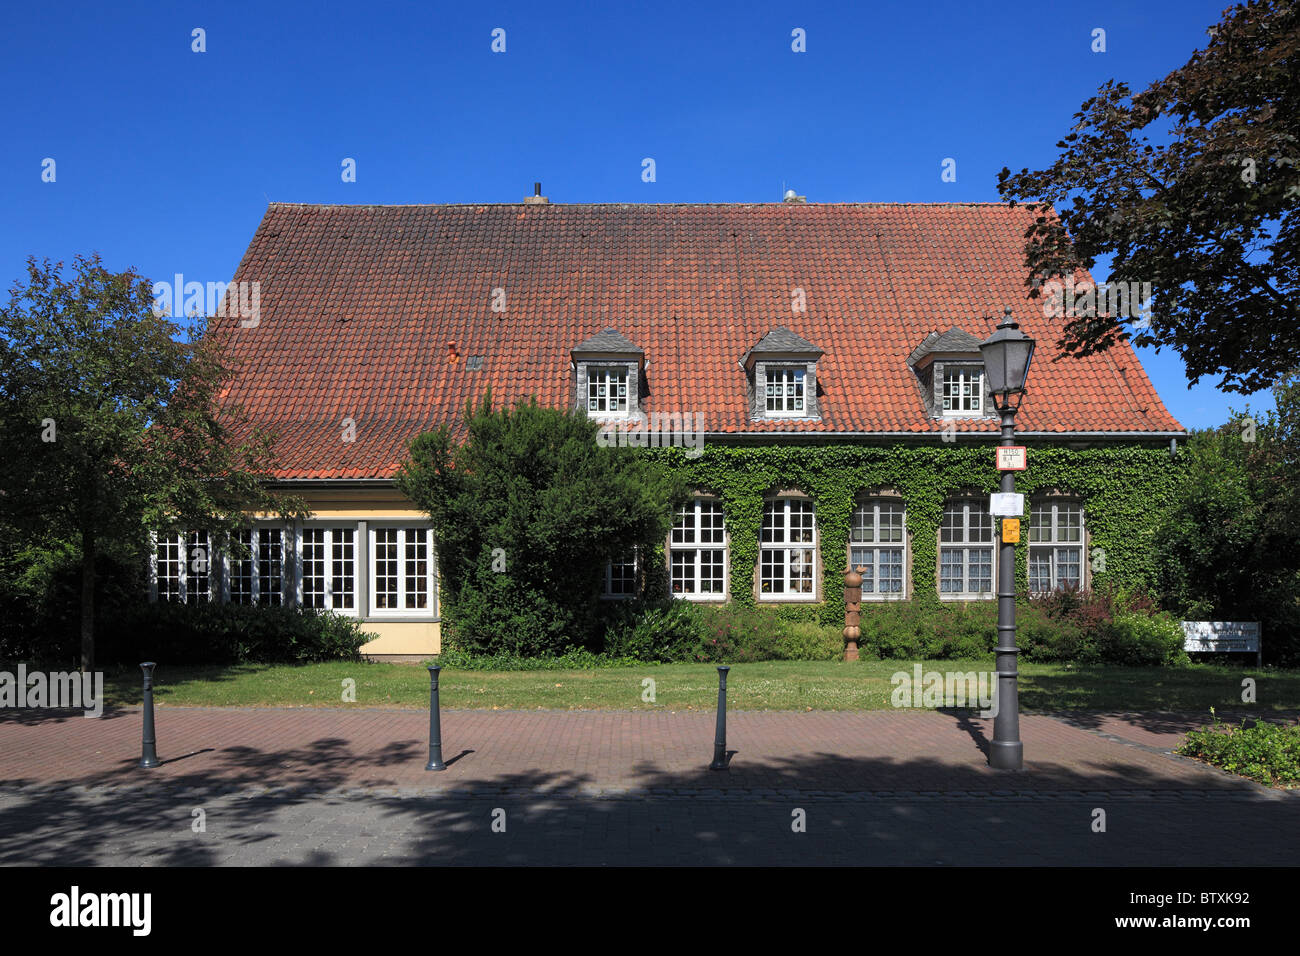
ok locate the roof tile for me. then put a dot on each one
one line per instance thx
(369, 313)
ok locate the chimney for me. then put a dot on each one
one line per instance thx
(536, 199)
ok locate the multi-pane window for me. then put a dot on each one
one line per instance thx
(963, 391)
(170, 567)
(876, 544)
(182, 567)
(697, 555)
(607, 391)
(966, 549)
(320, 568)
(784, 391)
(329, 568)
(620, 577)
(401, 570)
(257, 566)
(788, 548)
(1055, 545)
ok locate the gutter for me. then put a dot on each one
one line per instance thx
(722, 437)
(993, 433)
(332, 482)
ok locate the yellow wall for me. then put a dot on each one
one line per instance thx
(403, 637)
(361, 503)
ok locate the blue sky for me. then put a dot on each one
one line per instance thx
(166, 158)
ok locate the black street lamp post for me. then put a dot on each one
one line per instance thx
(1007, 354)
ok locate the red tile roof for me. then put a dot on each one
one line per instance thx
(370, 313)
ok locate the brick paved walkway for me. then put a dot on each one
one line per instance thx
(607, 787)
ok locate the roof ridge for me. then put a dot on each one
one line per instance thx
(813, 205)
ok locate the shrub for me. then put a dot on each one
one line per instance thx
(1140, 640)
(968, 630)
(1267, 753)
(915, 631)
(1042, 637)
(227, 634)
(527, 512)
(664, 634)
(737, 634)
(806, 641)
(1108, 625)
(1092, 610)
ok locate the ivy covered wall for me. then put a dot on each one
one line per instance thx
(1122, 489)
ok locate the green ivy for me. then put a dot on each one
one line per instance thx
(1122, 487)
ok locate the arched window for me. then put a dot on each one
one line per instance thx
(697, 552)
(788, 551)
(1055, 544)
(878, 544)
(966, 550)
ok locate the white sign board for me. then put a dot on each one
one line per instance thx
(1006, 505)
(1012, 458)
(1221, 637)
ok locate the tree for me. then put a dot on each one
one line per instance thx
(526, 512)
(110, 423)
(1192, 185)
(1226, 547)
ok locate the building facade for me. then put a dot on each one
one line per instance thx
(814, 370)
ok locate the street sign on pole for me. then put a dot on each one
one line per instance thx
(1012, 457)
(1006, 504)
(1010, 530)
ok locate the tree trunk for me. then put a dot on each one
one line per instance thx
(87, 600)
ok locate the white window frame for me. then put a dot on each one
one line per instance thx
(185, 556)
(1054, 543)
(405, 530)
(787, 375)
(611, 376)
(876, 545)
(787, 545)
(694, 511)
(607, 592)
(332, 531)
(966, 545)
(964, 375)
(230, 565)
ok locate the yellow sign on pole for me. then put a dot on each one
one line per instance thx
(1010, 530)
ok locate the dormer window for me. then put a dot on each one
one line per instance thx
(609, 376)
(784, 392)
(950, 370)
(963, 390)
(607, 391)
(782, 376)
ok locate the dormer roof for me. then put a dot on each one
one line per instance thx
(780, 342)
(953, 342)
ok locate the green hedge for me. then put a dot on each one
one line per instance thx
(680, 631)
(226, 634)
(1110, 626)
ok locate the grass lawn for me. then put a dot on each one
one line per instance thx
(771, 685)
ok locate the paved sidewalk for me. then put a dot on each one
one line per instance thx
(654, 749)
(348, 787)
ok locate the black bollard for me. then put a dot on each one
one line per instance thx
(149, 743)
(720, 738)
(435, 726)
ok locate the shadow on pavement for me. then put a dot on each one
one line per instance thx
(908, 810)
